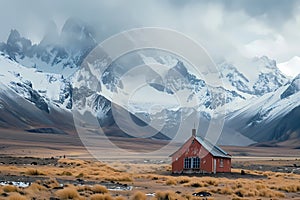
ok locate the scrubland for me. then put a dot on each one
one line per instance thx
(87, 179)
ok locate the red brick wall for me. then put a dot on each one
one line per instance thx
(195, 149)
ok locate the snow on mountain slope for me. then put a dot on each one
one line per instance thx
(56, 53)
(259, 77)
(260, 119)
(291, 67)
(39, 88)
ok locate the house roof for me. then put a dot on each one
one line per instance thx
(213, 149)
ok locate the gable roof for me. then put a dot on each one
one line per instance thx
(213, 149)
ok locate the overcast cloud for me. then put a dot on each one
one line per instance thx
(227, 29)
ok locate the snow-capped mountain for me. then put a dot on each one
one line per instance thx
(257, 96)
(30, 98)
(261, 76)
(291, 67)
(273, 117)
(56, 53)
(37, 87)
(173, 79)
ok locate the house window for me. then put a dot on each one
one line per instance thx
(221, 163)
(196, 162)
(187, 163)
(192, 163)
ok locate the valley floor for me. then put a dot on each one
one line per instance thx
(32, 166)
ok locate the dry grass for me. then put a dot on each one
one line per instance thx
(167, 195)
(120, 198)
(10, 188)
(34, 172)
(171, 181)
(101, 197)
(67, 193)
(51, 183)
(183, 180)
(276, 185)
(270, 193)
(139, 196)
(36, 187)
(66, 173)
(99, 189)
(17, 196)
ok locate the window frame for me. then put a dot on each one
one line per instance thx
(191, 163)
(221, 164)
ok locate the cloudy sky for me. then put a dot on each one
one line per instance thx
(229, 29)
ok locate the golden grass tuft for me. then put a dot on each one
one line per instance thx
(226, 191)
(17, 196)
(210, 181)
(36, 187)
(120, 198)
(171, 181)
(139, 196)
(183, 180)
(121, 178)
(52, 183)
(34, 172)
(99, 189)
(101, 197)
(66, 173)
(196, 184)
(10, 188)
(245, 193)
(270, 193)
(289, 188)
(67, 193)
(167, 195)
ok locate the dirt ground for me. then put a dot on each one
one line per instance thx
(33, 166)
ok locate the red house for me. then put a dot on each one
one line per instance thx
(198, 155)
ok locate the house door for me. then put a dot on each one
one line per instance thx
(215, 166)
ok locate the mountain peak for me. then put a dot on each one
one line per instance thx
(72, 25)
(293, 88)
(265, 62)
(13, 36)
(76, 30)
(15, 45)
(291, 67)
(51, 35)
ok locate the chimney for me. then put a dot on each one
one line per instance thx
(194, 132)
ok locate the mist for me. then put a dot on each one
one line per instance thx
(230, 30)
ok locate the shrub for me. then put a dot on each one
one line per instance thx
(34, 172)
(101, 197)
(260, 186)
(168, 195)
(171, 181)
(80, 175)
(196, 184)
(10, 188)
(99, 189)
(290, 188)
(17, 197)
(67, 193)
(211, 181)
(66, 173)
(125, 178)
(52, 183)
(139, 196)
(225, 190)
(245, 193)
(183, 180)
(120, 198)
(36, 187)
